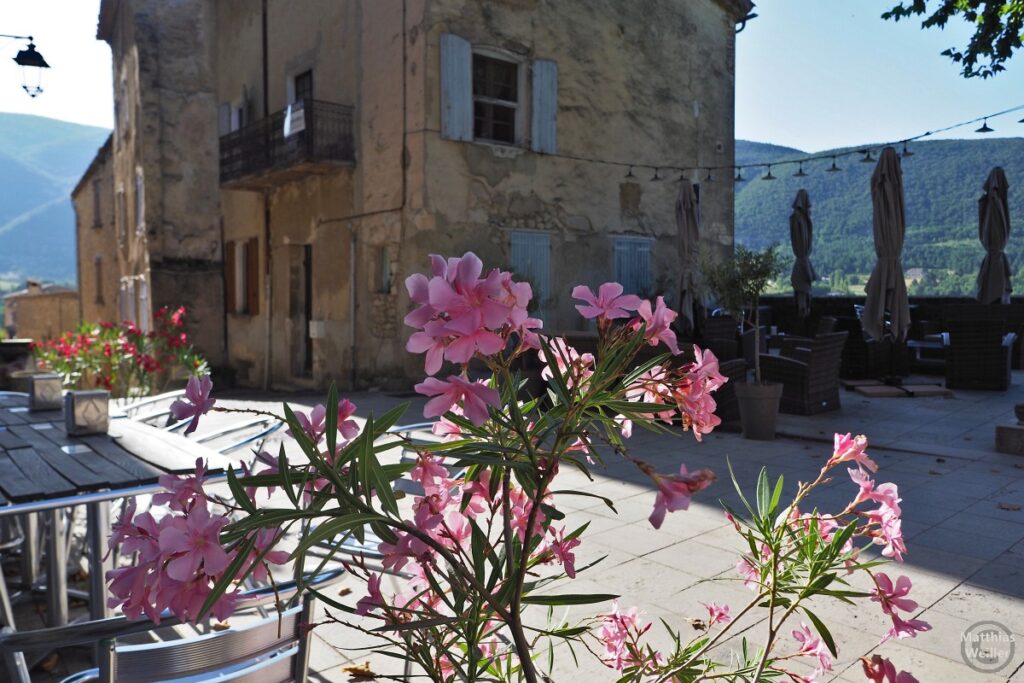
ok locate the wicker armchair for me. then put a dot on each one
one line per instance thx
(978, 355)
(809, 377)
(728, 406)
(720, 334)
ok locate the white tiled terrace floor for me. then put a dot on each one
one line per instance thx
(966, 553)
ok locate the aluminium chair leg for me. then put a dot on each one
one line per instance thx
(98, 526)
(57, 569)
(17, 669)
(6, 610)
(30, 549)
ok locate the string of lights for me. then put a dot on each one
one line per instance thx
(660, 171)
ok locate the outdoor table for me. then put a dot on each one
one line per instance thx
(43, 470)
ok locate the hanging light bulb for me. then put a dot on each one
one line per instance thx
(630, 173)
(708, 178)
(656, 176)
(833, 168)
(868, 159)
(800, 172)
(739, 174)
(984, 127)
(768, 175)
(906, 152)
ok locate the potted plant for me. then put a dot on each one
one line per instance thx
(738, 284)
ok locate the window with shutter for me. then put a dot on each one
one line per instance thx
(495, 99)
(531, 260)
(229, 277)
(633, 265)
(252, 270)
(456, 88)
(543, 136)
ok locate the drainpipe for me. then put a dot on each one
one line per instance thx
(350, 220)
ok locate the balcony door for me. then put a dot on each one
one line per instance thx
(300, 308)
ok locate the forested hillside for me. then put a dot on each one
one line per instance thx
(942, 183)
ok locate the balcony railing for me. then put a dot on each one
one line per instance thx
(260, 155)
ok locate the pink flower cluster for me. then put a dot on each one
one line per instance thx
(620, 633)
(675, 491)
(178, 556)
(893, 597)
(811, 645)
(197, 402)
(460, 314)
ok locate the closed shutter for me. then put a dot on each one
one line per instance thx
(543, 137)
(456, 88)
(252, 279)
(633, 265)
(531, 259)
(229, 277)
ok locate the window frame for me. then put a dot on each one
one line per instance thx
(520, 105)
(97, 207)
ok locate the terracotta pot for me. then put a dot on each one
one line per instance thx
(759, 409)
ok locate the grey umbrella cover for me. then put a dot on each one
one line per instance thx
(886, 289)
(801, 237)
(689, 236)
(994, 232)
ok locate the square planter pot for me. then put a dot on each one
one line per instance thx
(87, 412)
(45, 391)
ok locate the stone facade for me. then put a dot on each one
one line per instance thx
(40, 311)
(327, 243)
(164, 159)
(98, 265)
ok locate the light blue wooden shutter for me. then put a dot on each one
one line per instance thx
(531, 259)
(456, 88)
(545, 106)
(633, 265)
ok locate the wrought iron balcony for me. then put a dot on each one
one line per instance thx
(315, 138)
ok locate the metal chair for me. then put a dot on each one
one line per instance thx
(13, 643)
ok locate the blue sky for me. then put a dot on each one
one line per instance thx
(810, 74)
(817, 74)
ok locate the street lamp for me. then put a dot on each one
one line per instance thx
(29, 58)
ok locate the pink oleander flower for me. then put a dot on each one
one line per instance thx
(893, 597)
(193, 542)
(430, 340)
(562, 550)
(182, 492)
(475, 397)
(431, 474)
(197, 402)
(705, 366)
(881, 670)
(887, 494)
(462, 293)
(658, 324)
(717, 614)
(349, 428)
(265, 538)
(620, 633)
(654, 386)
(270, 467)
(888, 532)
(811, 645)
(674, 492)
(373, 598)
(567, 360)
(124, 527)
(851, 449)
(609, 303)
(905, 628)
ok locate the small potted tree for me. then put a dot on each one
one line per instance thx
(738, 284)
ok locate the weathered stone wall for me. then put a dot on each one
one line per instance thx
(166, 132)
(97, 240)
(651, 87)
(42, 316)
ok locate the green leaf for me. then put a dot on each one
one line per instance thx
(238, 492)
(822, 631)
(606, 501)
(568, 599)
(776, 496)
(331, 528)
(228, 577)
(762, 493)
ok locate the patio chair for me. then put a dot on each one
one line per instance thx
(978, 355)
(262, 600)
(809, 376)
(720, 335)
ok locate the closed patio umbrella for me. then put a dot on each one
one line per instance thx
(994, 232)
(689, 236)
(800, 236)
(886, 289)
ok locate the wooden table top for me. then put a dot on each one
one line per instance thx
(39, 461)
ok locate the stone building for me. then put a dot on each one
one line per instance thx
(164, 158)
(356, 138)
(40, 311)
(98, 257)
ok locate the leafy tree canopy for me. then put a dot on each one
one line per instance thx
(997, 24)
